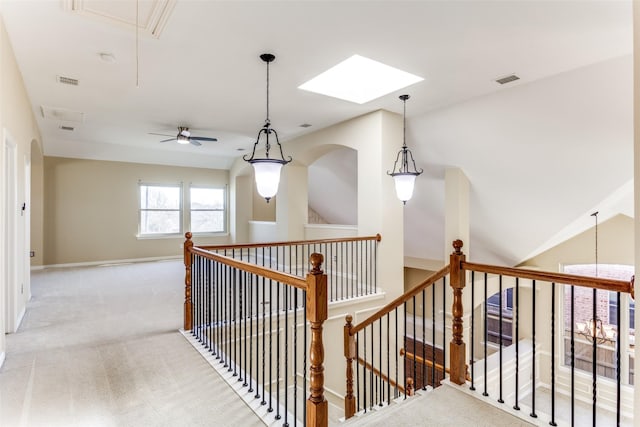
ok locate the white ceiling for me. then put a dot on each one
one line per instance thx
(539, 152)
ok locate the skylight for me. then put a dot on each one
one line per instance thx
(359, 79)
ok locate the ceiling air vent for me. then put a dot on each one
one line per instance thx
(507, 79)
(69, 128)
(67, 80)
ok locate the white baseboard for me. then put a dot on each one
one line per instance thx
(20, 317)
(108, 262)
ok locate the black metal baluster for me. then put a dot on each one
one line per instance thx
(208, 327)
(433, 336)
(358, 371)
(533, 353)
(305, 349)
(212, 269)
(473, 332)
(553, 355)
(225, 314)
(234, 318)
(239, 323)
(380, 399)
(364, 369)
(388, 360)
(395, 393)
(424, 340)
(404, 344)
(230, 313)
(264, 336)
(295, 348)
(286, 347)
(415, 363)
(373, 361)
(594, 358)
(573, 358)
(278, 285)
(195, 285)
(270, 408)
(486, 335)
(517, 338)
(444, 327)
(618, 353)
(251, 305)
(247, 337)
(500, 333)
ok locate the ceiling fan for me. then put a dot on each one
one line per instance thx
(185, 137)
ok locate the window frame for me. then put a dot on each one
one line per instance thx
(625, 332)
(180, 210)
(224, 210)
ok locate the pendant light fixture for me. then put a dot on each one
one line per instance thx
(404, 177)
(267, 169)
(593, 329)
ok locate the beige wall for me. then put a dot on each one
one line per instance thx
(615, 246)
(17, 123)
(92, 209)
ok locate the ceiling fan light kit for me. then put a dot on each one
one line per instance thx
(267, 169)
(184, 137)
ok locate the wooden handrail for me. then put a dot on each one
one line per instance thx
(560, 278)
(429, 363)
(379, 374)
(377, 238)
(400, 300)
(285, 278)
(422, 361)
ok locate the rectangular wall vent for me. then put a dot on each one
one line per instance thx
(507, 79)
(69, 128)
(67, 80)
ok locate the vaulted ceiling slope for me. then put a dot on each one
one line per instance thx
(539, 152)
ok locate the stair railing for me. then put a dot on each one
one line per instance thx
(514, 348)
(350, 263)
(248, 317)
(540, 314)
(377, 345)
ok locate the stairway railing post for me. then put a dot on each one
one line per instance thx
(350, 355)
(188, 304)
(457, 354)
(317, 311)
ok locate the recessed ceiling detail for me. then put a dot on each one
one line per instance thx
(150, 15)
(55, 113)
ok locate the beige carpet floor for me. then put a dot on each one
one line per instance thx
(100, 347)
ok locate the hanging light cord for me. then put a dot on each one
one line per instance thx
(595, 214)
(267, 122)
(404, 123)
(137, 44)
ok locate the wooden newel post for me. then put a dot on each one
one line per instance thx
(317, 310)
(457, 347)
(188, 305)
(350, 355)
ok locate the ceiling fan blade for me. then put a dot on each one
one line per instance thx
(194, 142)
(202, 138)
(160, 134)
(167, 140)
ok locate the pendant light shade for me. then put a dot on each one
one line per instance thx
(267, 169)
(402, 174)
(267, 177)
